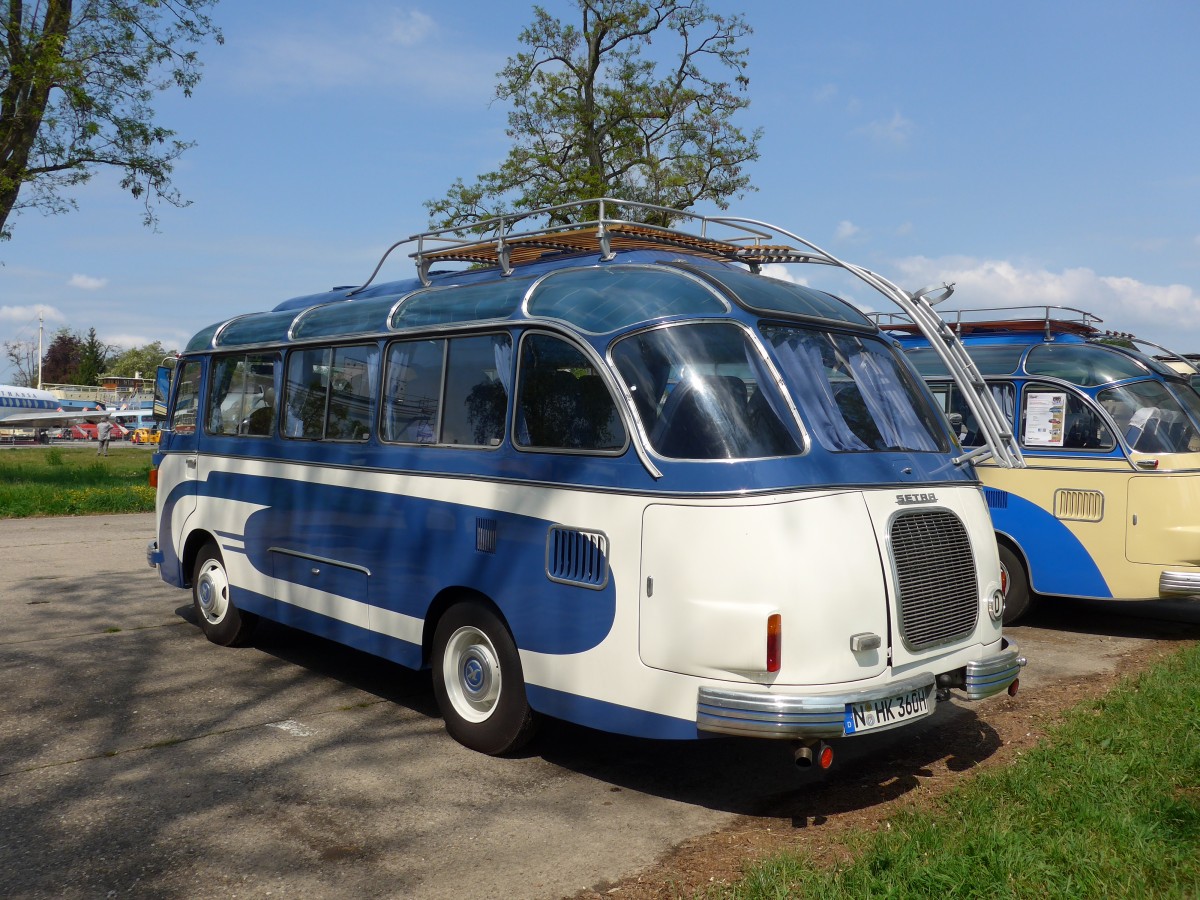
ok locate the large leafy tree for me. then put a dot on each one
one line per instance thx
(77, 78)
(60, 365)
(595, 113)
(93, 359)
(138, 361)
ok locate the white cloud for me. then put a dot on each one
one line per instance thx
(411, 27)
(1166, 314)
(825, 93)
(783, 273)
(845, 230)
(22, 315)
(86, 282)
(391, 49)
(896, 130)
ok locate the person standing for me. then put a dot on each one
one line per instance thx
(103, 433)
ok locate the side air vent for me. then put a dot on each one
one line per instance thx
(1079, 506)
(485, 535)
(996, 499)
(935, 573)
(577, 557)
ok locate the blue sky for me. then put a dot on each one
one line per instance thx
(1030, 152)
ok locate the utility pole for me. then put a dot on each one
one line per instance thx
(41, 314)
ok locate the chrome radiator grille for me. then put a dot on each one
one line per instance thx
(935, 574)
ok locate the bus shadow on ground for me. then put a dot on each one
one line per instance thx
(744, 776)
(1139, 619)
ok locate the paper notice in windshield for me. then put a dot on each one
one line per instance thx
(1044, 419)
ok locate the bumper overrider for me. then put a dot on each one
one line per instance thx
(1179, 584)
(791, 716)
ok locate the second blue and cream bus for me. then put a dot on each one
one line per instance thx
(610, 473)
(1108, 504)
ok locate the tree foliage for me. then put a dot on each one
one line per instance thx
(594, 113)
(93, 359)
(60, 365)
(22, 356)
(139, 361)
(77, 78)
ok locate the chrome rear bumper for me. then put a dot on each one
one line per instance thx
(767, 715)
(994, 674)
(770, 715)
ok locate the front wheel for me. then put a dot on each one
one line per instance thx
(478, 682)
(222, 622)
(1018, 599)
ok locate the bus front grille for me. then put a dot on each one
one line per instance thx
(935, 575)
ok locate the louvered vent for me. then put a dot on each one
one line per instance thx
(485, 535)
(935, 572)
(577, 557)
(1079, 506)
(996, 499)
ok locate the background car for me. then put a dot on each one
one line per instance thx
(144, 436)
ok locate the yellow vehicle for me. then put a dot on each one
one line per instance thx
(144, 436)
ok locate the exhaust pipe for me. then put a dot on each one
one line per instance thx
(812, 753)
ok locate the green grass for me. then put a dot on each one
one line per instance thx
(73, 481)
(1107, 806)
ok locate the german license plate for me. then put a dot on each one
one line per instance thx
(871, 714)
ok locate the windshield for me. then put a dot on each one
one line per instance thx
(1151, 418)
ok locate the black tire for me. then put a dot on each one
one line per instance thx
(222, 622)
(478, 682)
(1018, 599)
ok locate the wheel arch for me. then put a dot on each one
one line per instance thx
(445, 599)
(191, 549)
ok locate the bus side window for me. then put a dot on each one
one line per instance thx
(476, 396)
(183, 416)
(562, 404)
(413, 395)
(239, 390)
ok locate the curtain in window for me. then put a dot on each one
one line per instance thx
(890, 405)
(799, 355)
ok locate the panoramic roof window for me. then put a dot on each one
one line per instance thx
(763, 293)
(490, 300)
(1083, 364)
(603, 299)
(994, 360)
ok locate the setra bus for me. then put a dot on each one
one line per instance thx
(609, 473)
(1106, 506)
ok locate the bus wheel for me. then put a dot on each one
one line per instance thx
(223, 623)
(477, 681)
(1017, 597)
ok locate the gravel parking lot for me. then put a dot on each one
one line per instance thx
(138, 758)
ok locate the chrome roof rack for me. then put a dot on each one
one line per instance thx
(1048, 319)
(608, 225)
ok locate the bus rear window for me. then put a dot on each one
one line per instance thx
(704, 392)
(853, 391)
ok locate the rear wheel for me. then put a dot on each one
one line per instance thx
(1014, 581)
(478, 682)
(223, 623)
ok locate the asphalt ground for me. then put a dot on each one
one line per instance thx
(138, 759)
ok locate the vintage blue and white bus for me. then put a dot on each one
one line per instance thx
(610, 473)
(1108, 504)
